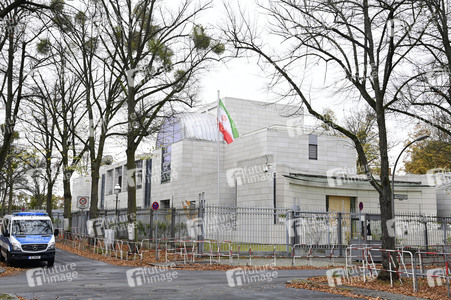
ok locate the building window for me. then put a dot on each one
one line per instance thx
(126, 179)
(353, 203)
(170, 133)
(165, 204)
(166, 164)
(139, 174)
(109, 180)
(313, 147)
(118, 175)
(102, 193)
(148, 183)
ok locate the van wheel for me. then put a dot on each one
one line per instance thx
(51, 262)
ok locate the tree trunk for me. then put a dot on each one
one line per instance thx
(5, 193)
(96, 162)
(10, 120)
(10, 198)
(385, 193)
(67, 202)
(95, 176)
(131, 165)
(49, 197)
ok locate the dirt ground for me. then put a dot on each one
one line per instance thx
(404, 288)
(149, 258)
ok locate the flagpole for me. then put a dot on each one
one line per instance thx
(219, 166)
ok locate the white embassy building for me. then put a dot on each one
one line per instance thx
(276, 161)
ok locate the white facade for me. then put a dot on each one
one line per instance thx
(305, 162)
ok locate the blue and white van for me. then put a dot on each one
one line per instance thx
(27, 236)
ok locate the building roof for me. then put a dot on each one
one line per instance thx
(337, 181)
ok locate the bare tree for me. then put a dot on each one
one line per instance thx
(9, 5)
(102, 88)
(14, 173)
(63, 107)
(159, 52)
(426, 94)
(353, 39)
(40, 133)
(17, 62)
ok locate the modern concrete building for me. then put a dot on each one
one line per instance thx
(276, 161)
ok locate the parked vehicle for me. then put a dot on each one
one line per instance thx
(27, 236)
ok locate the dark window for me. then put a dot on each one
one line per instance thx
(353, 202)
(118, 174)
(31, 227)
(166, 164)
(5, 226)
(165, 203)
(170, 133)
(109, 182)
(313, 147)
(102, 193)
(125, 178)
(148, 183)
(139, 174)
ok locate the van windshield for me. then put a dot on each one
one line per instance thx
(31, 227)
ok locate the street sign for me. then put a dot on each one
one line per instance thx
(155, 206)
(361, 206)
(83, 202)
(400, 196)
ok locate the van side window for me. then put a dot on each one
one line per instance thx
(5, 226)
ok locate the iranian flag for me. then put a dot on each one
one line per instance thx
(226, 124)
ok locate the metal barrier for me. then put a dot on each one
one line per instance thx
(430, 274)
(369, 264)
(188, 250)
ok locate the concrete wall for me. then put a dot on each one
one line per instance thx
(268, 143)
(250, 115)
(312, 195)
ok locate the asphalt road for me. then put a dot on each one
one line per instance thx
(97, 280)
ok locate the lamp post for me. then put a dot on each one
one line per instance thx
(393, 180)
(117, 189)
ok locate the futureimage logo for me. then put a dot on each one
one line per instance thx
(239, 276)
(146, 275)
(248, 175)
(336, 276)
(198, 226)
(340, 176)
(41, 276)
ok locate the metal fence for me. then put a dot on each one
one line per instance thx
(281, 227)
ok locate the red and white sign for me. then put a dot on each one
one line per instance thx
(83, 202)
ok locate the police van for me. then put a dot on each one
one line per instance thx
(26, 236)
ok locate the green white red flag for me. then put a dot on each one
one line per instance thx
(226, 125)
